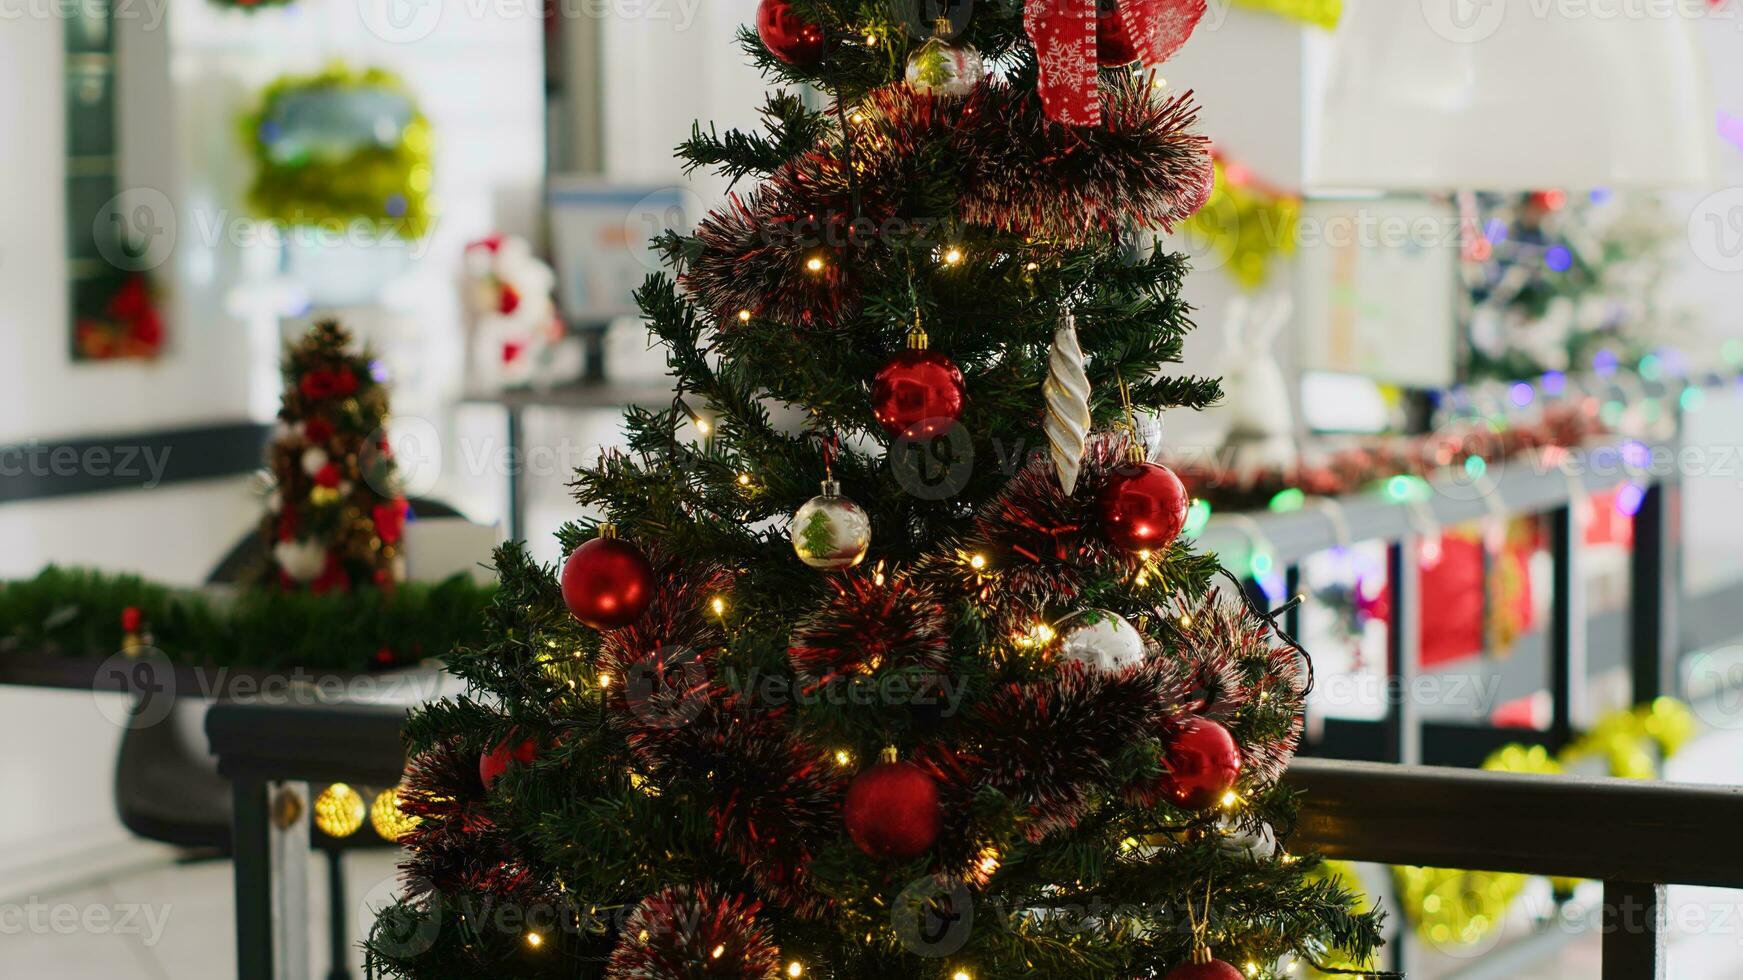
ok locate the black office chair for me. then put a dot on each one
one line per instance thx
(167, 786)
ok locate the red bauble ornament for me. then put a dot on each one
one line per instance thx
(919, 393)
(607, 582)
(892, 811)
(496, 762)
(1213, 970)
(788, 36)
(1143, 507)
(1202, 766)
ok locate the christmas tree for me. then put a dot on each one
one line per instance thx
(334, 519)
(1559, 283)
(971, 711)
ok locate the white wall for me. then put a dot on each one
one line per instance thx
(42, 392)
(663, 72)
(1246, 71)
(478, 73)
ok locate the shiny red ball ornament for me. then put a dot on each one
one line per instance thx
(892, 811)
(496, 762)
(788, 36)
(1202, 765)
(1143, 507)
(919, 393)
(607, 582)
(1212, 970)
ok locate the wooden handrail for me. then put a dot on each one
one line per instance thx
(1562, 826)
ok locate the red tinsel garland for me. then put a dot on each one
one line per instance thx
(1043, 543)
(869, 623)
(1049, 745)
(770, 796)
(694, 933)
(782, 252)
(1357, 468)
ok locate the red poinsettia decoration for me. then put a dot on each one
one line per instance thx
(390, 520)
(129, 325)
(323, 383)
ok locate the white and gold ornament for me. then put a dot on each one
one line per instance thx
(1066, 391)
(941, 68)
(301, 560)
(830, 531)
(314, 459)
(1239, 840)
(1101, 639)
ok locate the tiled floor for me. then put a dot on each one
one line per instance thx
(173, 922)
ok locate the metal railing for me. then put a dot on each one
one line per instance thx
(1574, 644)
(1383, 807)
(1636, 837)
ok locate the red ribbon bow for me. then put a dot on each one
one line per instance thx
(1066, 34)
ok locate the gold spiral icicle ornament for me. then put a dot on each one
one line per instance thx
(1067, 393)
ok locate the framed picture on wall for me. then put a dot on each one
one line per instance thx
(1379, 289)
(114, 238)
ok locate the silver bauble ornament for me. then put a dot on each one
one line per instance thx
(945, 69)
(831, 531)
(1101, 639)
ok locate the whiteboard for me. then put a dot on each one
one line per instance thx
(1378, 290)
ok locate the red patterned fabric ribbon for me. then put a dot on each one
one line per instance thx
(1065, 32)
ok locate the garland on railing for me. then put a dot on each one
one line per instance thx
(1453, 908)
(1396, 463)
(81, 613)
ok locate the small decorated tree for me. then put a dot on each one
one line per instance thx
(334, 520)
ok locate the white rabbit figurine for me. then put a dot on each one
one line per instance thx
(1256, 414)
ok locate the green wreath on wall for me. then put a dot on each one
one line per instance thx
(341, 147)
